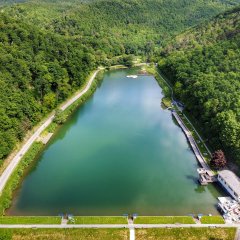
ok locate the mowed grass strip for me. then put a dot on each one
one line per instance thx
(186, 234)
(164, 220)
(29, 220)
(64, 234)
(212, 220)
(99, 220)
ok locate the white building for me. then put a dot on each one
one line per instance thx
(230, 182)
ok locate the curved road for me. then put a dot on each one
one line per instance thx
(10, 168)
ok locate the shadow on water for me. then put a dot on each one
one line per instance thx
(192, 178)
(200, 189)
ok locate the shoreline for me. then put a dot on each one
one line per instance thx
(192, 142)
(197, 141)
(75, 98)
(27, 146)
(15, 169)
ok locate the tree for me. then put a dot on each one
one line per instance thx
(60, 117)
(218, 160)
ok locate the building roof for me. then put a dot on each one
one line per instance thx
(231, 179)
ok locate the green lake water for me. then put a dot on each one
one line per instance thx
(118, 153)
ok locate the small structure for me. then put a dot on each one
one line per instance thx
(230, 182)
(206, 176)
(132, 76)
(45, 139)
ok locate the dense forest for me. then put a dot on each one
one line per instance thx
(49, 47)
(204, 66)
(37, 71)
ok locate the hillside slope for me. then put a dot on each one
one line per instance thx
(119, 26)
(48, 47)
(37, 72)
(204, 66)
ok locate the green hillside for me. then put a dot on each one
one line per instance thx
(49, 47)
(204, 66)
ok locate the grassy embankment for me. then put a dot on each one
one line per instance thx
(164, 220)
(68, 234)
(30, 220)
(12, 183)
(34, 150)
(165, 84)
(212, 220)
(98, 220)
(186, 234)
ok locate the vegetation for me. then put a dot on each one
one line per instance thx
(203, 65)
(186, 233)
(212, 220)
(38, 71)
(29, 220)
(164, 220)
(98, 220)
(60, 117)
(70, 234)
(6, 195)
(48, 48)
(167, 102)
(218, 160)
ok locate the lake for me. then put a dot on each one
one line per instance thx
(118, 153)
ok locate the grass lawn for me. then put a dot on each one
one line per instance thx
(164, 220)
(100, 220)
(29, 220)
(186, 234)
(212, 220)
(64, 234)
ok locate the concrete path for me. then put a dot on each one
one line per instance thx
(132, 233)
(192, 142)
(9, 169)
(237, 236)
(131, 229)
(120, 226)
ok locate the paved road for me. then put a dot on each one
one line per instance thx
(8, 171)
(119, 226)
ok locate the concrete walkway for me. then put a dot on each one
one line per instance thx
(120, 226)
(237, 236)
(10, 168)
(192, 142)
(132, 233)
(131, 229)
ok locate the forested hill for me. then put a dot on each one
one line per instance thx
(48, 47)
(117, 26)
(37, 71)
(204, 66)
